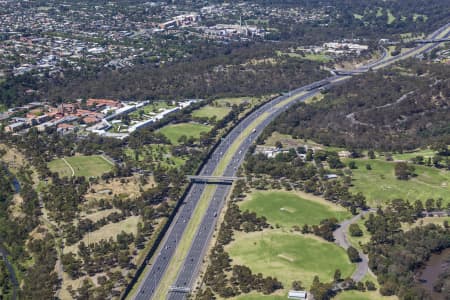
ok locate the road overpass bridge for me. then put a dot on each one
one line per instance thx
(433, 41)
(213, 179)
(350, 72)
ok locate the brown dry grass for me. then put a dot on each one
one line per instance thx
(130, 188)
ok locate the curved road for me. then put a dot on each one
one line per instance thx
(256, 121)
(340, 236)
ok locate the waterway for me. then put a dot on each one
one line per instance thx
(429, 275)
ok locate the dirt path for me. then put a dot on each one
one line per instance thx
(67, 163)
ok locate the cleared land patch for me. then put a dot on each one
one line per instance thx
(288, 141)
(380, 183)
(266, 253)
(87, 166)
(121, 187)
(174, 131)
(289, 209)
(111, 230)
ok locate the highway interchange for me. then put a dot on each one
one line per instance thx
(256, 121)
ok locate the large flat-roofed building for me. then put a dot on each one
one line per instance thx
(15, 127)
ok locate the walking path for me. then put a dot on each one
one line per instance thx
(67, 163)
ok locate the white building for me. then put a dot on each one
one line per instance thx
(300, 295)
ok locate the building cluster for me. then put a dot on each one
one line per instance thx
(52, 38)
(344, 48)
(93, 115)
(226, 31)
(334, 49)
(181, 21)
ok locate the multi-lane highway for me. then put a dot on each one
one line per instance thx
(231, 150)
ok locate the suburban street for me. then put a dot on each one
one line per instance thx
(243, 135)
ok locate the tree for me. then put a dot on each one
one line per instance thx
(370, 286)
(429, 204)
(353, 255)
(439, 203)
(321, 291)
(297, 285)
(337, 275)
(355, 230)
(403, 171)
(352, 165)
(371, 154)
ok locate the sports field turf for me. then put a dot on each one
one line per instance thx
(210, 111)
(289, 256)
(287, 208)
(380, 183)
(174, 131)
(87, 166)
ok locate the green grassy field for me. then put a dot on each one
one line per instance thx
(287, 208)
(289, 256)
(87, 166)
(407, 156)
(174, 131)
(314, 57)
(318, 57)
(255, 296)
(391, 17)
(151, 108)
(355, 295)
(209, 111)
(236, 100)
(2, 107)
(380, 183)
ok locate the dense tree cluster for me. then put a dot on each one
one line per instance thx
(395, 255)
(227, 74)
(64, 196)
(403, 107)
(5, 281)
(103, 255)
(41, 281)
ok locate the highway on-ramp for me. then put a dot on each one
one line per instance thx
(176, 264)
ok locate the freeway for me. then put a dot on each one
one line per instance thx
(231, 150)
